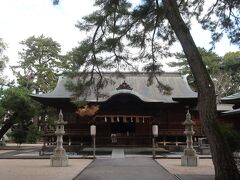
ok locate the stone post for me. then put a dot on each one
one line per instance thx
(189, 157)
(155, 134)
(59, 157)
(93, 134)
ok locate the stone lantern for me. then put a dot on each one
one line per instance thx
(189, 157)
(59, 157)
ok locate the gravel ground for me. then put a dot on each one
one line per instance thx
(15, 169)
(205, 167)
(39, 169)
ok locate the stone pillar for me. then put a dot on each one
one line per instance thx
(189, 157)
(59, 157)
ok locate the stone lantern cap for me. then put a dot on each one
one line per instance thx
(188, 120)
(60, 119)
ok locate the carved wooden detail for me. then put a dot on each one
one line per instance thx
(124, 85)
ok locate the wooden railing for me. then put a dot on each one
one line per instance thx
(170, 132)
(177, 132)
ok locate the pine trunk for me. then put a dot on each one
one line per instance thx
(225, 166)
(7, 125)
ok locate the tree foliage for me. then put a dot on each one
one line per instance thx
(223, 70)
(33, 134)
(19, 108)
(231, 64)
(114, 31)
(232, 135)
(222, 17)
(17, 101)
(116, 28)
(210, 59)
(18, 135)
(39, 64)
(38, 69)
(3, 60)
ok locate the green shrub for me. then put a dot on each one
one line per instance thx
(232, 136)
(33, 134)
(18, 135)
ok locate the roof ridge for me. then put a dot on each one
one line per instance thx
(140, 72)
(130, 73)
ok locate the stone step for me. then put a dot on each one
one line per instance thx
(118, 153)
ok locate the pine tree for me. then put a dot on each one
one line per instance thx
(116, 29)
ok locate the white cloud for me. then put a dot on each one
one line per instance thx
(22, 19)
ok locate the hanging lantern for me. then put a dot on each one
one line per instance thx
(155, 130)
(93, 130)
(118, 119)
(105, 119)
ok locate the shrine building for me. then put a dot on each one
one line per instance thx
(128, 108)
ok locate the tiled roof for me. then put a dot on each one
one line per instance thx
(232, 112)
(232, 99)
(137, 81)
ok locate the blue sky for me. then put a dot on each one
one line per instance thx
(20, 19)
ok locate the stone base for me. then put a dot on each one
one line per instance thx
(59, 161)
(205, 150)
(189, 160)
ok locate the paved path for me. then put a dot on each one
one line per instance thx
(125, 169)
